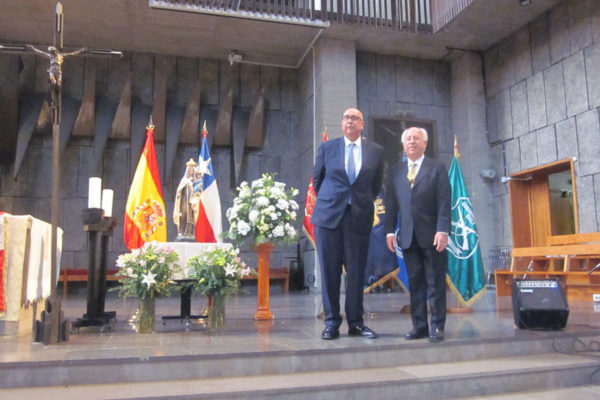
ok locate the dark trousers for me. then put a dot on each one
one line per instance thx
(426, 269)
(336, 247)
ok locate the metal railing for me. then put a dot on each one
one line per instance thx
(444, 11)
(401, 15)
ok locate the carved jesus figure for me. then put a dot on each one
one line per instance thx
(55, 70)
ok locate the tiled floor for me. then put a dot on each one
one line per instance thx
(295, 327)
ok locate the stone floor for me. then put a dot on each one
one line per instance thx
(295, 327)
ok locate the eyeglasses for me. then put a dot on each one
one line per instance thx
(352, 118)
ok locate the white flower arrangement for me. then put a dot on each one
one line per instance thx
(263, 212)
(218, 272)
(148, 271)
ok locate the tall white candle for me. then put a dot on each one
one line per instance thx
(107, 202)
(94, 192)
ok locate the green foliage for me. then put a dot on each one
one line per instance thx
(263, 212)
(218, 271)
(148, 271)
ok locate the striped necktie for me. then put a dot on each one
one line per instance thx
(412, 174)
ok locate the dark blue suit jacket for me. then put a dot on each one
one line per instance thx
(425, 209)
(333, 189)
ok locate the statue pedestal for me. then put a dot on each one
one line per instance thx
(263, 311)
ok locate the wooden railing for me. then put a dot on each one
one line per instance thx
(402, 15)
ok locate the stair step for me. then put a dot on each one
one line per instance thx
(432, 380)
(585, 392)
(150, 368)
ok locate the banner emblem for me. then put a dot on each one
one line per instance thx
(463, 240)
(148, 217)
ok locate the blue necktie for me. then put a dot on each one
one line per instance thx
(351, 166)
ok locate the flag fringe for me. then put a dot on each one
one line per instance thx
(459, 297)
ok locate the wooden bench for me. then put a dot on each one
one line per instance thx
(571, 258)
(80, 275)
(563, 253)
(276, 274)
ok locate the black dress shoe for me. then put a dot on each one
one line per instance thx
(361, 330)
(416, 334)
(330, 334)
(437, 335)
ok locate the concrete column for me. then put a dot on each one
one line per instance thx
(335, 84)
(469, 126)
(334, 72)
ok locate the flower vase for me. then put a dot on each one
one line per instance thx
(263, 311)
(216, 313)
(146, 315)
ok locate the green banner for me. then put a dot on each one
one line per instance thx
(466, 276)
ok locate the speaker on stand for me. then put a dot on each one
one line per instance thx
(539, 304)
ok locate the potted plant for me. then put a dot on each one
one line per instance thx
(147, 273)
(216, 274)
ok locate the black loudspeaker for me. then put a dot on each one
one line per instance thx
(539, 304)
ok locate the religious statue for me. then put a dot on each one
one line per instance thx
(198, 174)
(55, 70)
(183, 212)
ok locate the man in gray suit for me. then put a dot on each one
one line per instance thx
(418, 191)
(347, 177)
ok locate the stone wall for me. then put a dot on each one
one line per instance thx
(284, 133)
(543, 98)
(389, 86)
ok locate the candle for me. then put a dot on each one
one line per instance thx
(107, 202)
(94, 193)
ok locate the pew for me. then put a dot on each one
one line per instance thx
(275, 274)
(80, 275)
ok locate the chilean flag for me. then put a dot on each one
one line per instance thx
(208, 225)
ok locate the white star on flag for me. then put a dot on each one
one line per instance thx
(203, 166)
(149, 279)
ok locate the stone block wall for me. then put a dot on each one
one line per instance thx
(285, 131)
(388, 86)
(543, 101)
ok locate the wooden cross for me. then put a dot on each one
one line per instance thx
(56, 56)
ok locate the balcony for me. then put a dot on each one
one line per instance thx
(396, 15)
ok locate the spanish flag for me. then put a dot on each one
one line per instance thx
(145, 216)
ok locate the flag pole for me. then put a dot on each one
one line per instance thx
(459, 309)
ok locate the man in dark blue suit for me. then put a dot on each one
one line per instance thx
(419, 191)
(347, 177)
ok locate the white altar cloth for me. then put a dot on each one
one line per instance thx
(185, 250)
(27, 261)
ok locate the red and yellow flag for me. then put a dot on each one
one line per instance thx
(145, 216)
(311, 198)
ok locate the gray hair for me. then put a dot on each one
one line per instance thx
(422, 130)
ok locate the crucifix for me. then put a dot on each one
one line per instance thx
(55, 330)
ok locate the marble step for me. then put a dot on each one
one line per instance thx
(443, 380)
(585, 392)
(152, 367)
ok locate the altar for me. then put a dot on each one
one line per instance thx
(25, 270)
(185, 250)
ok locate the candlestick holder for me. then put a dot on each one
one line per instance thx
(99, 230)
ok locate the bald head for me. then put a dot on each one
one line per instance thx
(414, 141)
